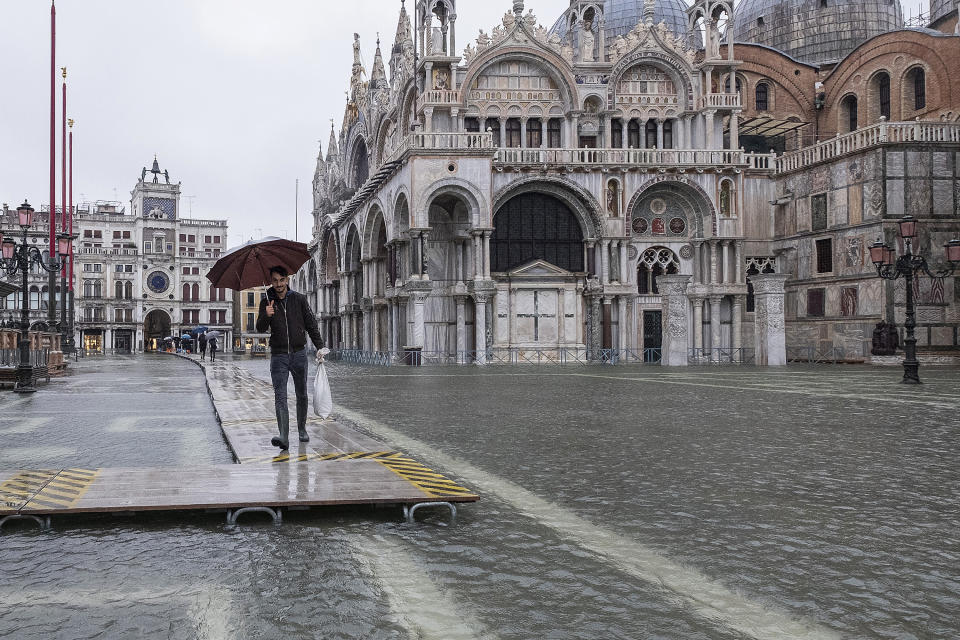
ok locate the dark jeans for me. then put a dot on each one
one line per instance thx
(282, 365)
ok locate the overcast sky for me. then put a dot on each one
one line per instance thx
(231, 95)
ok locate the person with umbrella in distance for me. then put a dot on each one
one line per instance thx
(288, 316)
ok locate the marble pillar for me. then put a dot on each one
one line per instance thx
(479, 325)
(698, 325)
(715, 337)
(461, 329)
(419, 298)
(675, 335)
(768, 323)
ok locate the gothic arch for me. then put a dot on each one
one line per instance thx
(329, 240)
(401, 213)
(455, 186)
(580, 201)
(690, 193)
(356, 144)
(374, 214)
(352, 253)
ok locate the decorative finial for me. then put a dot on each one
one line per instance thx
(70, 122)
(518, 7)
(63, 70)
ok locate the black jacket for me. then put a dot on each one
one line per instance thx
(292, 317)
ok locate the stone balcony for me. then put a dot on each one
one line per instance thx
(872, 136)
(695, 159)
(438, 98)
(719, 101)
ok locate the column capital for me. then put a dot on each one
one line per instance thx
(482, 297)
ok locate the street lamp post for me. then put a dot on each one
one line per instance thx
(18, 257)
(908, 266)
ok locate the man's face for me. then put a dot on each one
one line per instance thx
(279, 284)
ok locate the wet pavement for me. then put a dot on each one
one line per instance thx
(617, 502)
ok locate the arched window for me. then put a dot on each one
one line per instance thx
(633, 134)
(616, 133)
(651, 134)
(850, 112)
(186, 292)
(668, 134)
(118, 289)
(535, 226)
(655, 261)
(726, 198)
(128, 290)
(554, 139)
(737, 84)
(883, 94)
(919, 88)
(97, 288)
(763, 96)
(195, 293)
(513, 132)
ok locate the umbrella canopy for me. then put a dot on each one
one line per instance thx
(249, 264)
(213, 334)
(186, 336)
(197, 331)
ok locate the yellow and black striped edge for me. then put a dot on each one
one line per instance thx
(63, 490)
(424, 478)
(323, 457)
(16, 490)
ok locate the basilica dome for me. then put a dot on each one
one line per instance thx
(814, 31)
(621, 16)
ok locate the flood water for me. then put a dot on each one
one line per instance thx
(616, 502)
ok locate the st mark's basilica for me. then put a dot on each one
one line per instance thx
(641, 181)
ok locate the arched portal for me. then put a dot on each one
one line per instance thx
(354, 290)
(537, 258)
(536, 226)
(156, 327)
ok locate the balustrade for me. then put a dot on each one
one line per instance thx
(867, 137)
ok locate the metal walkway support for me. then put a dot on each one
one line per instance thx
(233, 514)
(43, 522)
(409, 511)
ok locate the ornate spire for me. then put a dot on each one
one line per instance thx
(648, 10)
(518, 8)
(378, 79)
(332, 152)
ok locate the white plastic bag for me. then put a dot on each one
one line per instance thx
(322, 401)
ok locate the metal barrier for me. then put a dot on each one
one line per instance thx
(11, 357)
(813, 355)
(721, 355)
(499, 355)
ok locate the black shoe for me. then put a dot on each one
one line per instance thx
(304, 437)
(277, 442)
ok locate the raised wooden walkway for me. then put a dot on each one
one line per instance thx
(338, 466)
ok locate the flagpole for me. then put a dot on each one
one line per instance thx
(52, 281)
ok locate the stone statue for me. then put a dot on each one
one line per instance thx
(483, 40)
(586, 42)
(885, 339)
(356, 49)
(566, 51)
(509, 20)
(166, 175)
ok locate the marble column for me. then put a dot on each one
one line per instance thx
(477, 255)
(561, 313)
(485, 257)
(607, 132)
(715, 327)
(396, 333)
(675, 335)
(375, 327)
(615, 262)
(461, 330)
(768, 319)
(503, 132)
(419, 298)
(738, 257)
(659, 133)
(697, 262)
(698, 325)
(622, 322)
(543, 133)
(480, 326)
(725, 261)
(708, 126)
(523, 131)
(424, 270)
(735, 130)
(605, 262)
(737, 328)
(625, 272)
(607, 323)
(428, 119)
(712, 269)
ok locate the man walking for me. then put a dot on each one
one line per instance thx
(289, 318)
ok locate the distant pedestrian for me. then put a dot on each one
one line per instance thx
(212, 345)
(288, 316)
(203, 346)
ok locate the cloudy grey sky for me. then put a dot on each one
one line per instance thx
(231, 95)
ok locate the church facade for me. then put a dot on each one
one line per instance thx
(633, 184)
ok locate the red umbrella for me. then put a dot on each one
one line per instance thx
(249, 264)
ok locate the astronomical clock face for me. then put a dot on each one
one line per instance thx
(158, 282)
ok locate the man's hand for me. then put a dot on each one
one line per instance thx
(270, 310)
